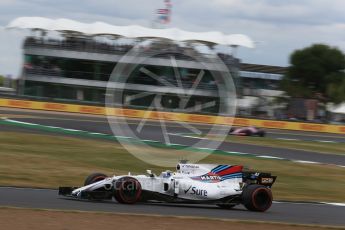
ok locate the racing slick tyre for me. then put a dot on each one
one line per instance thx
(261, 133)
(247, 133)
(231, 130)
(127, 190)
(94, 177)
(257, 197)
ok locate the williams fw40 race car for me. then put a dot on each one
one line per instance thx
(223, 185)
(247, 131)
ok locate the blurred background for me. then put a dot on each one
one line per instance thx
(287, 64)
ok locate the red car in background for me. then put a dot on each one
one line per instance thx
(247, 131)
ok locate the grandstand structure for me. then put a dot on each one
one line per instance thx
(70, 61)
(260, 88)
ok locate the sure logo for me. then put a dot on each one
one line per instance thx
(196, 191)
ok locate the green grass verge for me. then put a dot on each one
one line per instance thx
(50, 161)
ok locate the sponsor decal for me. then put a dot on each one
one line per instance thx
(200, 118)
(186, 190)
(221, 173)
(168, 116)
(226, 120)
(198, 192)
(153, 114)
(266, 180)
(129, 112)
(54, 106)
(185, 169)
(274, 124)
(209, 177)
(311, 127)
(92, 110)
(190, 166)
(195, 191)
(342, 129)
(23, 104)
(241, 122)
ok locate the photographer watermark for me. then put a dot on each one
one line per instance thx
(164, 77)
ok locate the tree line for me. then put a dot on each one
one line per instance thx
(316, 72)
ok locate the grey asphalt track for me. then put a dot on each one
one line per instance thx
(303, 213)
(152, 131)
(300, 213)
(273, 133)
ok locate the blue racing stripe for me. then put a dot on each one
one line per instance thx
(216, 168)
(221, 168)
(235, 175)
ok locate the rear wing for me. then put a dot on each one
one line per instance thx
(261, 178)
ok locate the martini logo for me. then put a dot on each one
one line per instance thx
(210, 177)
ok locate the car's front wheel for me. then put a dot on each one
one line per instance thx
(94, 177)
(127, 190)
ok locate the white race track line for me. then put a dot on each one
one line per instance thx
(265, 156)
(311, 203)
(287, 139)
(187, 136)
(324, 141)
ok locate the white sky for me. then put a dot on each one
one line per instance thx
(279, 27)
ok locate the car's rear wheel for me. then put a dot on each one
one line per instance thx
(261, 133)
(247, 133)
(94, 177)
(127, 190)
(257, 198)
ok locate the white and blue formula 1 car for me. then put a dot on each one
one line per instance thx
(223, 185)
